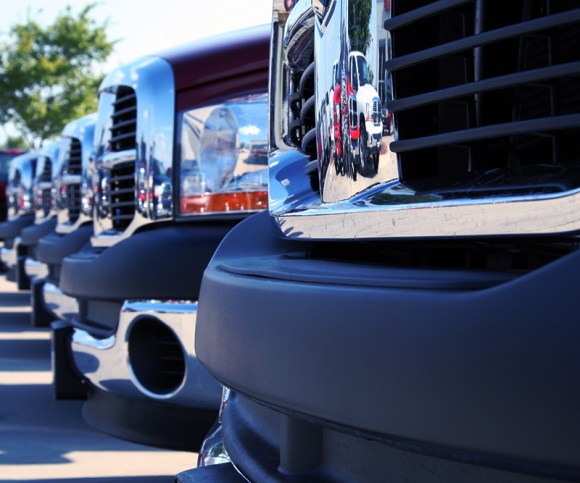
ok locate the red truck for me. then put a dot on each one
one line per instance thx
(179, 159)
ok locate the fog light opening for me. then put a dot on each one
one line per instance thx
(156, 357)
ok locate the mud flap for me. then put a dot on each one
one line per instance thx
(40, 317)
(67, 383)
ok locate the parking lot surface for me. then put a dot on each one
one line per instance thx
(44, 440)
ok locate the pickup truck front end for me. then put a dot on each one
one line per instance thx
(180, 158)
(410, 315)
(73, 229)
(20, 211)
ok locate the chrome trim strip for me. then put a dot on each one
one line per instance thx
(102, 361)
(35, 268)
(111, 159)
(71, 179)
(8, 256)
(60, 305)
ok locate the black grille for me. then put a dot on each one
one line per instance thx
(156, 356)
(124, 120)
(122, 194)
(74, 157)
(486, 93)
(46, 190)
(73, 201)
(46, 175)
(302, 106)
(72, 191)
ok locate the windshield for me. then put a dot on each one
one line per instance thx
(364, 73)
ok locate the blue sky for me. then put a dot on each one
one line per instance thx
(146, 26)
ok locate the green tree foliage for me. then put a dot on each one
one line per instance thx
(17, 142)
(47, 73)
(359, 14)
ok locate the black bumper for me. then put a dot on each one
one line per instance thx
(458, 366)
(148, 422)
(222, 473)
(12, 228)
(54, 247)
(31, 235)
(163, 263)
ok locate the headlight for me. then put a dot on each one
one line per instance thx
(224, 157)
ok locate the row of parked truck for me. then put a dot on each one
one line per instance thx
(341, 247)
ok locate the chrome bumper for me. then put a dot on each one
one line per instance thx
(106, 363)
(60, 305)
(35, 269)
(9, 256)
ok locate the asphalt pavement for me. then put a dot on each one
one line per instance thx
(44, 440)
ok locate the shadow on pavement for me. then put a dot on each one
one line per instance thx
(24, 355)
(14, 299)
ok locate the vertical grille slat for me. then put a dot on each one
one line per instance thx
(45, 198)
(484, 87)
(122, 194)
(73, 161)
(73, 201)
(124, 120)
(121, 174)
(72, 191)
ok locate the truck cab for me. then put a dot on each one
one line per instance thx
(418, 323)
(179, 159)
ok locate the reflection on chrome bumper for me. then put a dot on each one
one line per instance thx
(10, 255)
(35, 269)
(107, 363)
(60, 305)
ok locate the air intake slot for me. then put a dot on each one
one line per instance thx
(486, 95)
(124, 120)
(72, 191)
(73, 201)
(156, 356)
(73, 163)
(301, 107)
(44, 194)
(122, 194)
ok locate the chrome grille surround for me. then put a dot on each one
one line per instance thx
(463, 167)
(19, 192)
(123, 201)
(75, 156)
(46, 182)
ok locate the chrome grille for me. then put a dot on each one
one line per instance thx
(124, 120)
(487, 95)
(122, 194)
